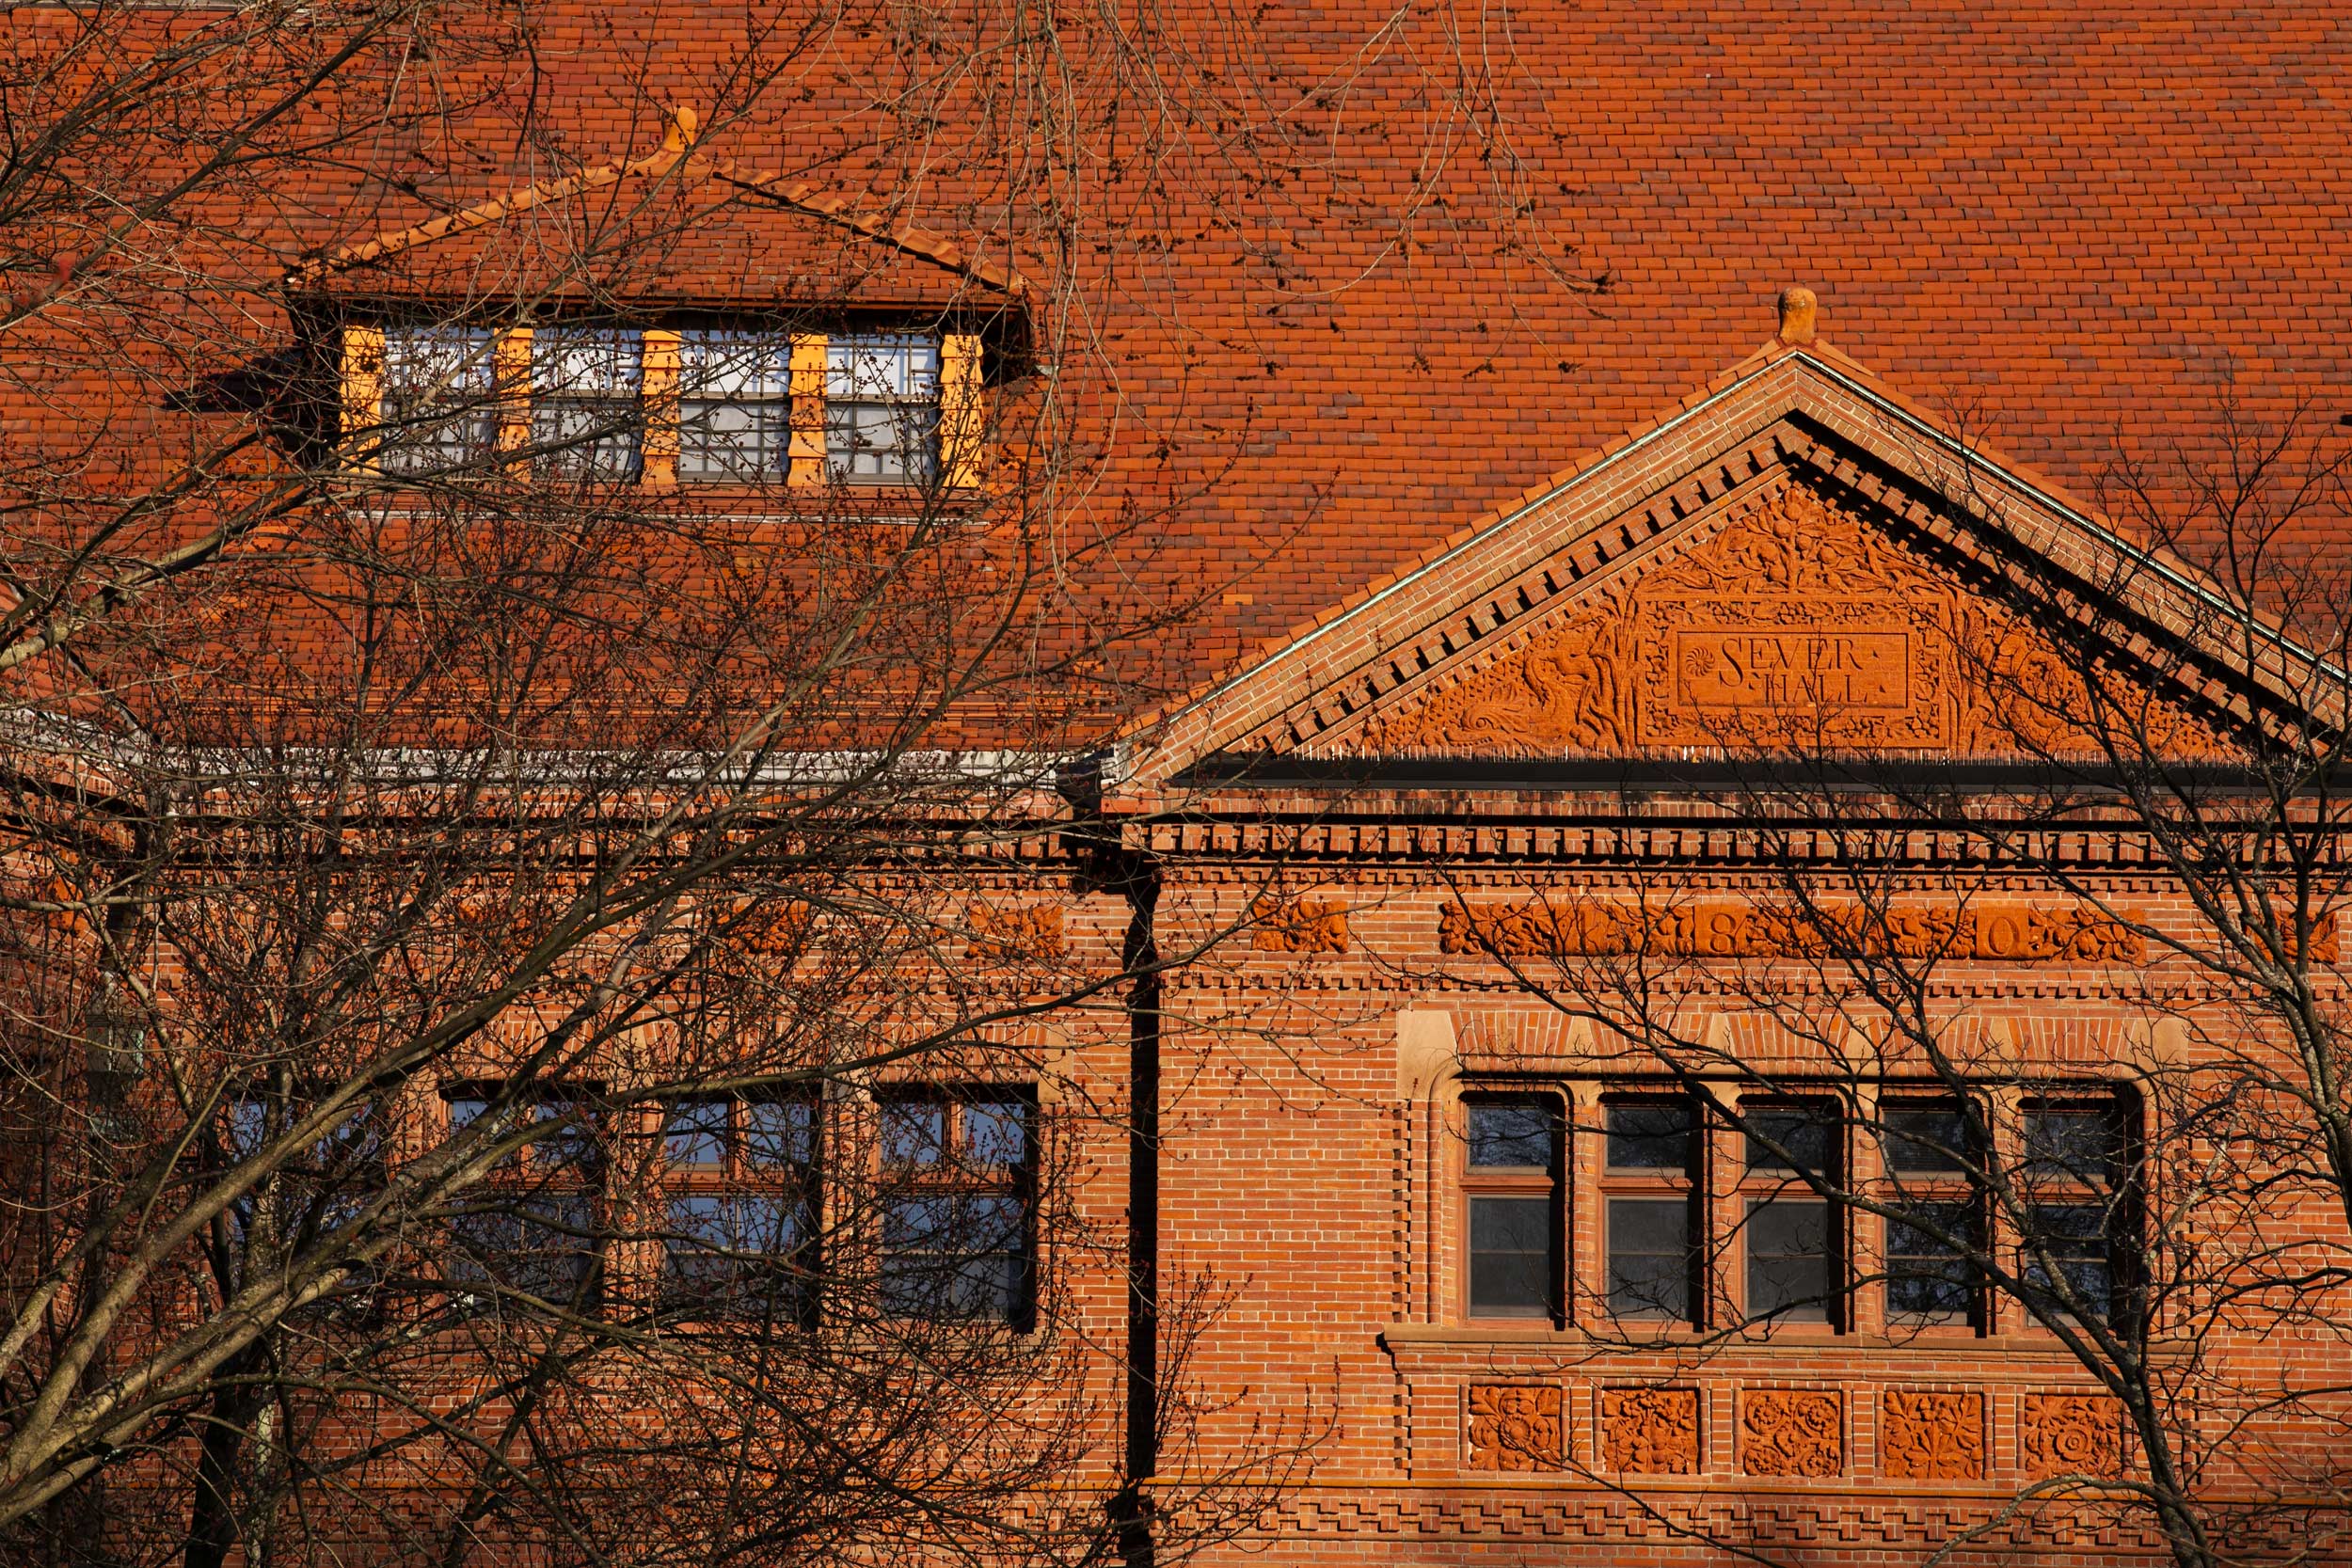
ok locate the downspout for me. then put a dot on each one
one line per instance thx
(1109, 864)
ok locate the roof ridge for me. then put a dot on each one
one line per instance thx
(677, 155)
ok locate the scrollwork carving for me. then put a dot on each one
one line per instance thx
(1792, 1432)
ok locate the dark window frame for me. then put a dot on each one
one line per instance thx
(734, 1281)
(538, 1174)
(1516, 1183)
(953, 1182)
(1767, 1188)
(1630, 1184)
(1937, 1179)
(2064, 1186)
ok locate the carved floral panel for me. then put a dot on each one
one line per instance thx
(1931, 1436)
(1515, 1427)
(2070, 1435)
(1016, 934)
(1650, 1432)
(1792, 1432)
(1298, 926)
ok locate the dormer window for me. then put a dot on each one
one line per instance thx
(711, 404)
(881, 409)
(734, 406)
(585, 415)
(439, 408)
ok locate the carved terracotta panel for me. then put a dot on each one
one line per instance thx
(1012, 935)
(1931, 1436)
(1299, 926)
(1792, 1432)
(1650, 1432)
(1515, 1427)
(2070, 1434)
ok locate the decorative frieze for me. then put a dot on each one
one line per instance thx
(1792, 1432)
(1931, 1436)
(2011, 933)
(1650, 1432)
(1515, 1427)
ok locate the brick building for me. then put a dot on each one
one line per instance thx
(1621, 932)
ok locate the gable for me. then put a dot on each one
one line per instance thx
(1785, 622)
(1795, 563)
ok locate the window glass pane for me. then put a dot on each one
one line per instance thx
(913, 1132)
(780, 1131)
(571, 1144)
(1790, 1271)
(1805, 1136)
(881, 367)
(1511, 1257)
(1926, 1139)
(697, 1132)
(2074, 1238)
(439, 404)
(543, 1245)
(1649, 1258)
(1927, 1271)
(2075, 1144)
(438, 360)
(1520, 1134)
(744, 442)
(880, 441)
(956, 1256)
(996, 1132)
(1651, 1136)
(586, 361)
(732, 365)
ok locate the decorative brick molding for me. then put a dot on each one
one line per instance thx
(1650, 1432)
(1792, 1432)
(2016, 933)
(1298, 926)
(2070, 1434)
(1015, 935)
(1930, 1437)
(1515, 1427)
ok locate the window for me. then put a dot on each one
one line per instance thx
(1511, 1184)
(726, 402)
(1651, 1207)
(956, 1241)
(439, 399)
(2076, 1186)
(308, 1196)
(532, 1227)
(585, 409)
(1928, 1148)
(882, 407)
(1791, 1232)
(734, 405)
(741, 1178)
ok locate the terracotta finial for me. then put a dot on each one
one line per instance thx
(1797, 311)
(682, 123)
